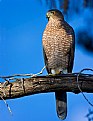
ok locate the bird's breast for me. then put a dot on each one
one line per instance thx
(56, 44)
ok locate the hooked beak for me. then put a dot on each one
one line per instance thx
(47, 16)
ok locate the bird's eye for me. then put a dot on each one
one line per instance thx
(53, 12)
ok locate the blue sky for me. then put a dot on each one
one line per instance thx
(22, 23)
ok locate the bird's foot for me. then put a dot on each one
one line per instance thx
(53, 74)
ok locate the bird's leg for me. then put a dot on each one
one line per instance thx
(55, 72)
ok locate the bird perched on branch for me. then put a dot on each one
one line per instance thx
(58, 48)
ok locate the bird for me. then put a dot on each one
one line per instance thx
(58, 43)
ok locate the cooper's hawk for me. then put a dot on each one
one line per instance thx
(58, 47)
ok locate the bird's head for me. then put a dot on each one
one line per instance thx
(54, 13)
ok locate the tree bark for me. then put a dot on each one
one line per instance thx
(44, 84)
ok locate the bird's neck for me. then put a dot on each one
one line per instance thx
(55, 22)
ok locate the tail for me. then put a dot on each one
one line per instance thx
(61, 104)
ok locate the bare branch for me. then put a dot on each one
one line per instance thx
(41, 84)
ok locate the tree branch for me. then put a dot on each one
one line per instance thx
(41, 84)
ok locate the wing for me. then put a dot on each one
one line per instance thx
(46, 61)
(71, 54)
